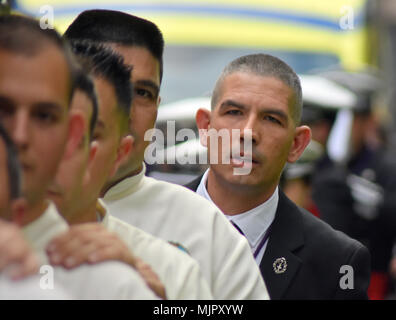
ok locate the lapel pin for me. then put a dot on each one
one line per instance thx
(179, 246)
(280, 265)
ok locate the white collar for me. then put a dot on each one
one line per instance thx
(101, 208)
(201, 190)
(125, 187)
(254, 222)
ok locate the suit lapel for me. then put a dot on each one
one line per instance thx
(193, 185)
(286, 236)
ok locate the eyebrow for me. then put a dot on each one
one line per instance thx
(231, 103)
(149, 83)
(42, 105)
(48, 106)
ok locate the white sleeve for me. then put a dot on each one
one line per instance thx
(178, 271)
(192, 286)
(104, 281)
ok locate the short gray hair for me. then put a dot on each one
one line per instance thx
(264, 65)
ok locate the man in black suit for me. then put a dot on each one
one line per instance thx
(300, 257)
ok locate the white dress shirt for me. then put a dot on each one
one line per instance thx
(174, 213)
(106, 280)
(253, 223)
(179, 273)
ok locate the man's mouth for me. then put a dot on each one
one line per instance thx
(53, 194)
(243, 161)
(26, 167)
(54, 191)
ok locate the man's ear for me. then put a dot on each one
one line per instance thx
(202, 118)
(18, 211)
(302, 137)
(76, 132)
(93, 148)
(123, 152)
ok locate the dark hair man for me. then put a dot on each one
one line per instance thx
(165, 210)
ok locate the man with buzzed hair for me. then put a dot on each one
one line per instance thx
(300, 256)
(36, 87)
(165, 210)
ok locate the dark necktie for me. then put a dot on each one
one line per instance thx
(262, 242)
(236, 227)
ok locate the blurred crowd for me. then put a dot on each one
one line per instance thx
(345, 175)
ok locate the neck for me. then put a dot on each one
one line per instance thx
(84, 215)
(236, 199)
(33, 212)
(121, 177)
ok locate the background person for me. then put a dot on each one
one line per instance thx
(355, 194)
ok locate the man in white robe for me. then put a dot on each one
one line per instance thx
(179, 273)
(167, 211)
(36, 81)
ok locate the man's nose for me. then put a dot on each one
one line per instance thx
(20, 130)
(250, 130)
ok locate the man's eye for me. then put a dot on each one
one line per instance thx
(45, 117)
(5, 111)
(144, 93)
(96, 136)
(272, 119)
(234, 112)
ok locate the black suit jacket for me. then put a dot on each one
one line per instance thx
(314, 254)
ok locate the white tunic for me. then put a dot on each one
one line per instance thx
(107, 280)
(180, 274)
(29, 289)
(174, 213)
